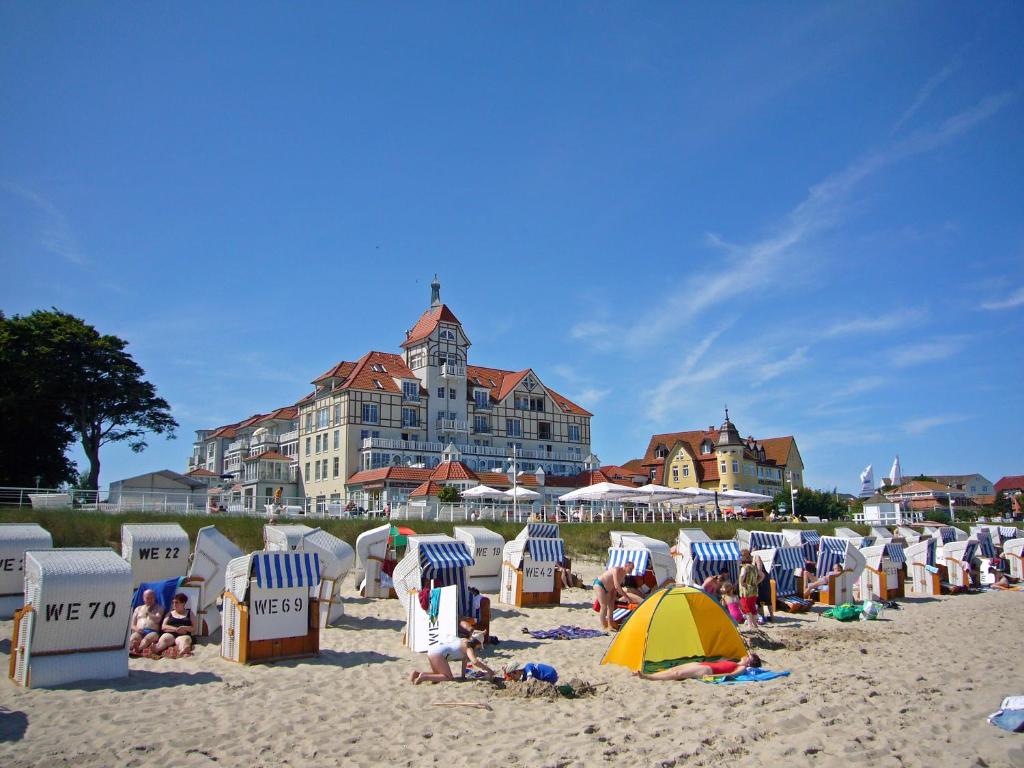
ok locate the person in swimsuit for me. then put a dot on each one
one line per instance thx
(145, 623)
(764, 593)
(749, 581)
(178, 628)
(607, 588)
(732, 602)
(823, 581)
(699, 669)
(464, 649)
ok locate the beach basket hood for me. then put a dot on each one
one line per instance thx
(675, 624)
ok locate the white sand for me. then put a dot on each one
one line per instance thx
(911, 690)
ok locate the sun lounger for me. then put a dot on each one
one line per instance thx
(268, 614)
(74, 623)
(155, 551)
(15, 539)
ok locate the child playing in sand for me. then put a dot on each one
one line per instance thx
(464, 649)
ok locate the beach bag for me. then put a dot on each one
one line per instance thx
(871, 610)
(844, 612)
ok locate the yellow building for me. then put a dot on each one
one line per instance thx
(721, 460)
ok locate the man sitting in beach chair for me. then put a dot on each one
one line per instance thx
(145, 623)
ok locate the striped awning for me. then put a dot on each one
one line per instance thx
(947, 533)
(787, 560)
(811, 540)
(444, 554)
(766, 540)
(932, 547)
(638, 557)
(546, 550)
(896, 554)
(1008, 532)
(710, 557)
(541, 530)
(985, 544)
(970, 551)
(282, 570)
(832, 551)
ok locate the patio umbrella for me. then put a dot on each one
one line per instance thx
(602, 492)
(521, 494)
(483, 492)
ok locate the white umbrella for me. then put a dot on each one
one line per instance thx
(743, 498)
(693, 495)
(519, 493)
(602, 492)
(482, 492)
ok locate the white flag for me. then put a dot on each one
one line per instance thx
(867, 481)
(896, 474)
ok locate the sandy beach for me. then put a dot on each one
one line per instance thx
(912, 689)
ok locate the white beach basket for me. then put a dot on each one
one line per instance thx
(155, 551)
(15, 538)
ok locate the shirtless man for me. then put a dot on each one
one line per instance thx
(697, 670)
(145, 623)
(608, 586)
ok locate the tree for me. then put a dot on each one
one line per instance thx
(449, 495)
(823, 504)
(1001, 506)
(93, 386)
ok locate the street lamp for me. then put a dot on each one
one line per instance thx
(792, 496)
(514, 470)
(952, 515)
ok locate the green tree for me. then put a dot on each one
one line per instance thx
(449, 495)
(1001, 506)
(810, 502)
(89, 386)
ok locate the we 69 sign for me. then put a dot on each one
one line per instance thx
(277, 613)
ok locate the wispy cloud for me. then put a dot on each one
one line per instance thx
(582, 390)
(922, 425)
(848, 391)
(922, 352)
(926, 91)
(53, 232)
(1015, 299)
(769, 371)
(757, 266)
(878, 324)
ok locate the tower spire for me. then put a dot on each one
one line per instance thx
(435, 292)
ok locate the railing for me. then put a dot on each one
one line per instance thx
(238, 445)
(288, 437)
(451, 370)
(390, 444)
(453, 425)
(482, 406)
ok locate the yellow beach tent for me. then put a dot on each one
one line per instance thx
(675, 624)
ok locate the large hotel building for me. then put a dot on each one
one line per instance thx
(412, 409)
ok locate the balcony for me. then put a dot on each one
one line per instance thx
(452, 425)
(289, 437)
(238, 446)
(453, 371)
(481, 429)
(490, 451)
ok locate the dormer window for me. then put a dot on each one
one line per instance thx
(377, 384)
(660, 452)
(705, 447)
(448, 333)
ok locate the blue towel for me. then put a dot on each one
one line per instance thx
(165, 591)
(435, 604)
(1011, 720)
(748, 676)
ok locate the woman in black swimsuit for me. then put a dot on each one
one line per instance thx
(178, 628)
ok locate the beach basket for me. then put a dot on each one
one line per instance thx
(74, 625)
(336, 558)
(485, 546)
(213, 552)
(155, 551)
(15, 538)
(529, 574)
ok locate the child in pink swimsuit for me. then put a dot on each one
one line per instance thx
(731, 601)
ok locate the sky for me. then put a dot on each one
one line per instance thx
(810, 212)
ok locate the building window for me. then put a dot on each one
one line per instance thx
(337, 439)
(370, 413)
(377, 384)
(543, 430)
(440, 392)
(482, 398)
(337, 466)
(337, 413)
(675, 474)
(735, 467)
(309, 445)
(323, 416)
(725, 467)
(574, 433)
(306, 473)
(537, 404)
(522, 403)
(705, 447)
(317, 465)
(309, 422)
(480, 424)
(411, 391)
(410, 417)
(318, 443)
(686, 470)
(451, 394)
(514, 427)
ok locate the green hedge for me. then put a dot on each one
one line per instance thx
(77, 528)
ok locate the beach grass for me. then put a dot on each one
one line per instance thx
(81, 528)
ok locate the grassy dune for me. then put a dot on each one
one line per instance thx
(76, 528)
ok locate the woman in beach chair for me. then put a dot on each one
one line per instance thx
(179, 628)
(811, 586)
(701, 669)
(464, 649)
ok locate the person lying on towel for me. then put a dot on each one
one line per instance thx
(701, 669)
(464, 649)
(145, 623)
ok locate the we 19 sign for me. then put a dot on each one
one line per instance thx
(277, 613)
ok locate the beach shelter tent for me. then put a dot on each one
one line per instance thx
(1013, 551)
(210, 558)
(847, 554)
(485, 546)
(336, 558)
(74, 625)
(434, 560)
(755, 540)
(700, 559)
(924, 575)
(15, 539)
(807, 538)
(884, 572)
(659, 562)
(267, 612)
(782, 565)
(529, 574)
(375, 562)
(675, 625)
(959, 562)
(155, 551)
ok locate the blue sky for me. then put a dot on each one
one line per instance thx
(811, 212)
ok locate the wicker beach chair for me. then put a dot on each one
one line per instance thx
(336, 558)
(486, 546)
(832, 551)
(15, 539)
(155, 551)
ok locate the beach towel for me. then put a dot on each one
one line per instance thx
(1010, 716)
(746, 676)
(564, 632)
(435, 604)
(165, 591)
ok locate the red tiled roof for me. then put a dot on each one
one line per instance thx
(287, 413)
(428, 322)
(389, 473)
(340, 370)
(201, 472)
(361, 375)
(269, 456)
(636, 466)
(777, 449)
(453, 470)
(500, 479)
(429, 488)
(502, 383)
(919, 486)
(1010, 483)
(227, 431)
